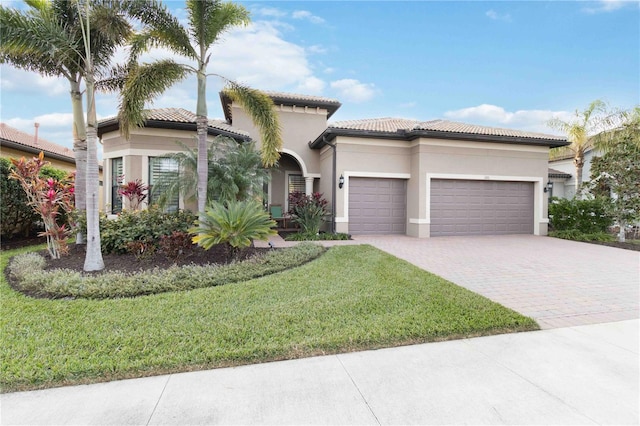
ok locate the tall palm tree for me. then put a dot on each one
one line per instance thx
(207, 21)
(585, 124)
(47, 38)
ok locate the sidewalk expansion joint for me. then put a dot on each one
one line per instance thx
(155, 407)
(358, 389)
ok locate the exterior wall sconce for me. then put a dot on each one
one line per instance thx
(549, 187)
(341, 182)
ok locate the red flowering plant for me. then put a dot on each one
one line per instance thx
(49, 198)
(134, 191)
(307, 211)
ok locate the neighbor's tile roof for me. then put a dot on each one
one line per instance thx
(11, 134)
(400, 124)
(558, 173)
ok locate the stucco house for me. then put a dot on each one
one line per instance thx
(564, 184)
(15, 143)
(380, 176)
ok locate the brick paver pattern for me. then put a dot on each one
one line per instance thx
(557, 282)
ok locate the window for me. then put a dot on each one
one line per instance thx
(296, 183)
(116, 175)
(162, 172)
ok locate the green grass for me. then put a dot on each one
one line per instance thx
(351, 298)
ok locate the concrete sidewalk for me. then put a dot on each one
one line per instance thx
(578, 375)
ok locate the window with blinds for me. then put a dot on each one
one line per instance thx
(116, 174)
(162, 172)
(296, 183)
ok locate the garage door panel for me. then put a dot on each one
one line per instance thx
(468, 207)
(377, 206)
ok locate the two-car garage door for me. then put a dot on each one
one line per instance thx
(458, 207)
(478, 207)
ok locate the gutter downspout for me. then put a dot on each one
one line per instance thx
(333, 186)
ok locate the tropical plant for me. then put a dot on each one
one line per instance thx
(135, 191)
(235, 173)
(48, 198)
(141, 83)
(616, 177)
(307, 211)
(586, 129)
(236, 224)
(48, 38)
(16, 215)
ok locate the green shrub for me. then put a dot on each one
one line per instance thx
(322, 236)
(17, 217)
(27, 271)
(237, 223)
(146, 225)
(584, 216)
(575, 235)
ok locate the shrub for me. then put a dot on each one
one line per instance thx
(307, 211)
(16, 215)
(237, 223)
(49, 198)
(323, 236)
(585, 216)
(135, 191)
(175, 245)
(575, 235)
(145, 225)
(27, 272)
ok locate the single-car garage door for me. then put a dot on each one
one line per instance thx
(478, 207)
(377, 206)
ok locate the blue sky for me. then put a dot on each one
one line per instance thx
(507, 64)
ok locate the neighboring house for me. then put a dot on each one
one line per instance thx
(380, 176)
(565, 186)
(15, 143)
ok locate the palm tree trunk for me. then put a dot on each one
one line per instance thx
(79, 152)
(578, 161)
(202, 127)
(93, 260)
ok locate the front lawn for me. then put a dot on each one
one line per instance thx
(351, 298)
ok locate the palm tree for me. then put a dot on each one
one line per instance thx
(207, 21)
(48, 39)
(235, 173)
(586, 123)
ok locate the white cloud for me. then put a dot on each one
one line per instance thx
(329, 70)
(608, 6)
(408, 104)
(305, 14)
(311, 86)
(492, 14)
(271, 12)
(492, 115)
(316, 48)
(353, 90)
(45, 120)
(16, 80)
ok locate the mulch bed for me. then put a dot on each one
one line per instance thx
(130, 263)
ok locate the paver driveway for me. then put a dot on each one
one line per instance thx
(557, 282)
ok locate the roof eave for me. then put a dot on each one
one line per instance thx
(33, 150)
(112, 125)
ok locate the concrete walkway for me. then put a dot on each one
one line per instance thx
(578, 375)
(557, 282)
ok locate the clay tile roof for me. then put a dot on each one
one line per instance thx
(181, 115)
(386, 124)
(455, 127)
(10, 134)
(302, 98)
(558, 173)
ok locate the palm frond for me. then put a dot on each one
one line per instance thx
(162, 28)
(210, 18)
(145, 83)
(260, 108)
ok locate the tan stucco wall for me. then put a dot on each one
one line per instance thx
(135, 152)
(68, 166)
(299, 125)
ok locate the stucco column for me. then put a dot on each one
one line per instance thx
(308, 187)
